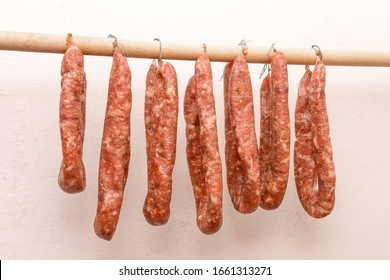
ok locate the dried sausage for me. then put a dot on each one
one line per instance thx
(195, 155)
(274, 133)
(71, 178)
(241, 152)
(212, 166)
(203, 156)
(162, 143)
(161, 114)
(313, 161)
(265, 133)
(148, 112)
(115, 149)
(234, 169)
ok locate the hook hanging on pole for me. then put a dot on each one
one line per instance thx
(160, 52)
(116, 45)
(115, 40)
(318, 51)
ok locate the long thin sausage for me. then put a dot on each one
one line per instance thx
(241, 145)
(71, 178)
(194, 154)
(148, 114)
(212, 166)
(234, 168)
(162, 149)
(274, 134)
(115, 149)
(313, 161)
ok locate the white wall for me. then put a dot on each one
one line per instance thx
(39, 221)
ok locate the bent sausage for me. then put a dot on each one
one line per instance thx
(203, 156)
(211, 221)
(195, 156)
(71, 178)
(274, 134)
(161, 131)
(241, 152)
(313, 161)
(115, 149)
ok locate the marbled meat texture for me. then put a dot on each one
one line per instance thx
(71, 178)
(274, 134)
(234, 167)
(313, 161)
(241, 152)
(148, 112)
(115, 149)
(203, 156)
(161, 107)
(195, 157)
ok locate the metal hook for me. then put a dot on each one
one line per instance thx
(115, 38)
(204, 47)
(160, 53)
(318, 51)
(116, 45)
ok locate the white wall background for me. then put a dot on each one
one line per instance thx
(39, 221)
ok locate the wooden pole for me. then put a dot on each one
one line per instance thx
(51, 43)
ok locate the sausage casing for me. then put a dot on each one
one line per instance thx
(72, 178)
(161, 132)
(115, 149)
(241, 152)
(314, 168)
(274, 134)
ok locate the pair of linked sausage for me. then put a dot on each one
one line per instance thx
(71, 178)
(202, 150)
(274, 133)
(313, 161)
(241, 152)
(161, 115)
(115, 149)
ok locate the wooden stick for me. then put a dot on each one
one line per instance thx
(50, 43)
